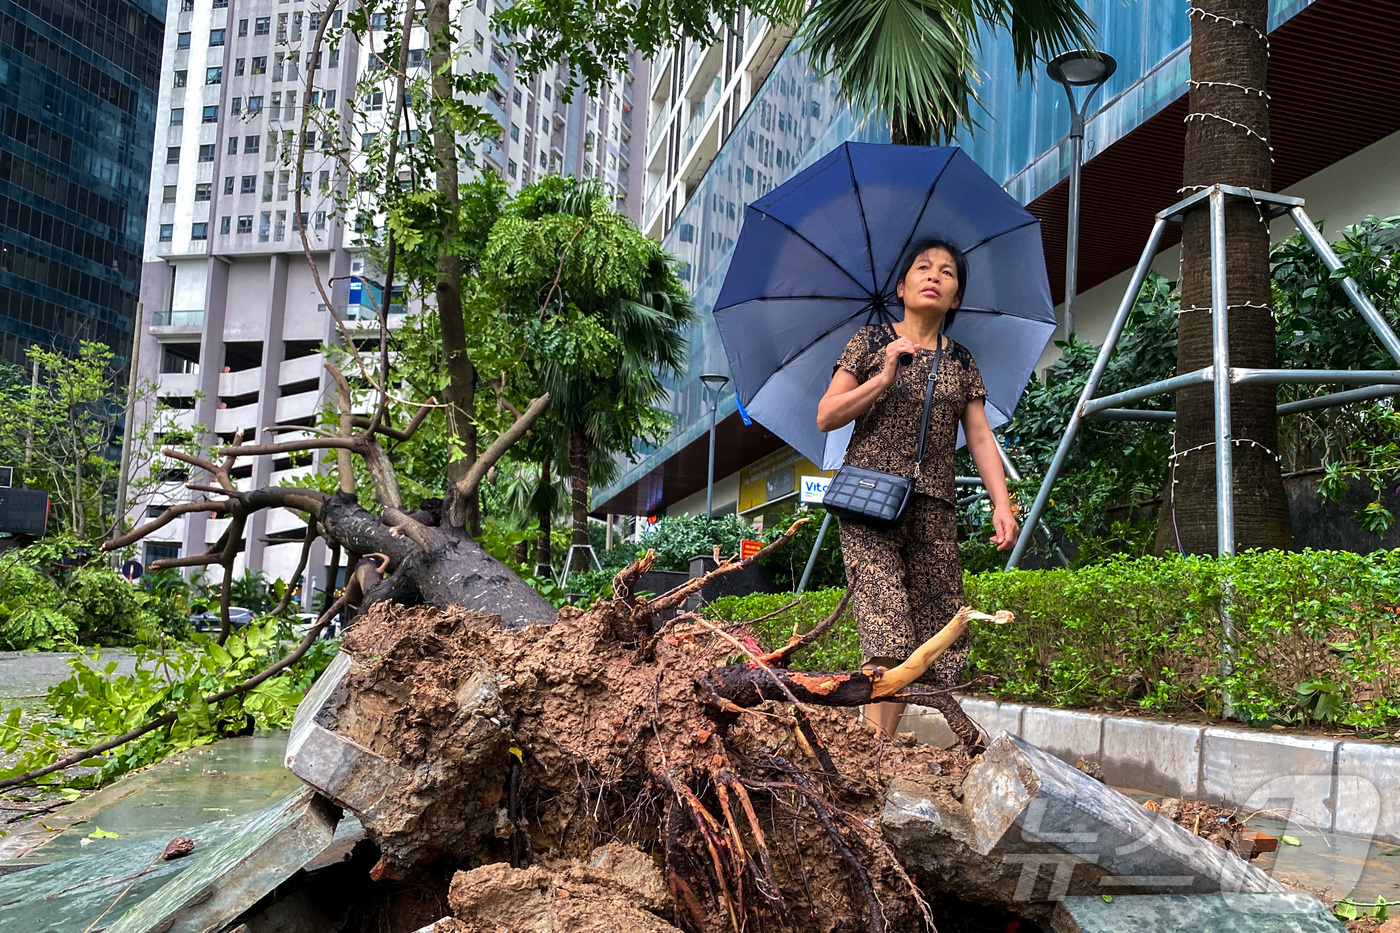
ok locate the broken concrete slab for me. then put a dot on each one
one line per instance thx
(72, 894)
(231, 878)
(339, 767)
(1292, 912)
(1032, 830)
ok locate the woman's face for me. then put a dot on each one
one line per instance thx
(930, 284)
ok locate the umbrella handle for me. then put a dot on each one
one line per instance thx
(905, 359)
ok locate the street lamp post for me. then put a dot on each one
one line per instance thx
(1080, 68)
(714, 385)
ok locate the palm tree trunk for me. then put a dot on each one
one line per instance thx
(578, 469)
(542, 545)
(461, 374)
(1226, 143)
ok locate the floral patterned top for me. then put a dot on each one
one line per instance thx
(885, 436)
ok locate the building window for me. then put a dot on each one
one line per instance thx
(277, 66)
(546, 92)
(478, 40)
(315, 20)
(262, 26)
(233, 145)
(267, 186)
(186, 6)
(182, 40)
(514, 131)
(155, 552)
(199, 231)
(515, 96)
(167, 195)
(279, 229)
(211, 114)
(177, 116)
(510, 168)
(284, 185)
(255, 105)
(216, 38)
(203, 191)
(245, 223)
(214, 75)
(320, 220)
(415, 58)
(237, 106)
(259, 64)
(167, 232)
(325, 180)
(223, 225)
(377, 20)
(374, 101)
(251, 143)
(242, 27)
(367, 140)
(181, 78)
(264, 226)
(249, 185)
(335, 20)
(238, 67)
(220, 4)
(271, 147)
(334, 61)
(206, 152)
(172, 155)
(228, 184)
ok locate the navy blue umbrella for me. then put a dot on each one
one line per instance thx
(816, 260)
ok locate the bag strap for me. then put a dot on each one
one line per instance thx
(928, 404)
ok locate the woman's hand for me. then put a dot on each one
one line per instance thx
(1007, 529)
(892, 353)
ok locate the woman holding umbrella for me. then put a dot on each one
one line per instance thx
(907, 580)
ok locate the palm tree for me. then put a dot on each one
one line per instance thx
(1227, 143)
(612, 328)
(532, 493)
(915, 60)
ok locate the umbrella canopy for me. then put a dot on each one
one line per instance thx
(816, 260)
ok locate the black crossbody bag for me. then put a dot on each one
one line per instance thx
(874, 498)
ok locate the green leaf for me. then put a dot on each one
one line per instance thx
(1107, 898)
(100, 833)
(1289, 840)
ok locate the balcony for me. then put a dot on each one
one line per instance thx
(281, 520)
(653, 200)
(178, 318)
(228, 420)
(179, 385)
(244, 382)
(301, 369)
(658, 129)
(701, 113)
(301, 405)
(624, 154)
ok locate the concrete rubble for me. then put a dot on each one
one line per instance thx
(1031, 830)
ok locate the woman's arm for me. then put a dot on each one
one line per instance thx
(983, 447)
(846, 399)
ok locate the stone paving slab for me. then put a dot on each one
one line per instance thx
(1216, 913)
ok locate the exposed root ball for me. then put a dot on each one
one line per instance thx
(601, 742)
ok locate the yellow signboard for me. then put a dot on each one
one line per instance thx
(773, 477)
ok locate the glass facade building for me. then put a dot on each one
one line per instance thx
(795, 118)
(78, 88)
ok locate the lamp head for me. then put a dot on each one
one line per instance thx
(714, 381)
(1082, 68)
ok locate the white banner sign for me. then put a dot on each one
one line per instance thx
(814, 488)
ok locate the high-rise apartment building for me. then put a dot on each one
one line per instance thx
(234, 317)
(78, 81)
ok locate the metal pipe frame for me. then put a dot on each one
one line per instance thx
(812, 558)
(1378, 323)
(1129, 414)
(1379, 377)
(1115, 331)
(1160, 387)
(1334, 399)
(1220, 353)
(1278, 204)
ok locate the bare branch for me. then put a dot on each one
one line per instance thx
(360, 421)
(311, 535)
(343, 465)
(165, 518)
(466, 487)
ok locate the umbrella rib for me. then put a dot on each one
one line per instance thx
(818, 339)
(820, 251)
(864, 224)
(790, 298)
(984, 242)
(927, 198)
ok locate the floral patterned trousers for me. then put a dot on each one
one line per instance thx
(907, 583)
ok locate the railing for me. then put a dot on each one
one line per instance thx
(653, 200)
(178, 318)
(657, 130)
(624, 152)
(702, 113)
(757, 25)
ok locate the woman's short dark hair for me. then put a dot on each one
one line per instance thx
(923, 245)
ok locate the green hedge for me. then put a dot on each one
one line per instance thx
(1318, 635)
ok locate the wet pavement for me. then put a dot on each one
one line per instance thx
(26, 676)
(203, 785)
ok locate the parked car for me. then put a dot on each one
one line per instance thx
(307, 619)
(210, 622)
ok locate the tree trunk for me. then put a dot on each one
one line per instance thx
(542, 544)
(461, 374)
(578, 469)
(1226, 143)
